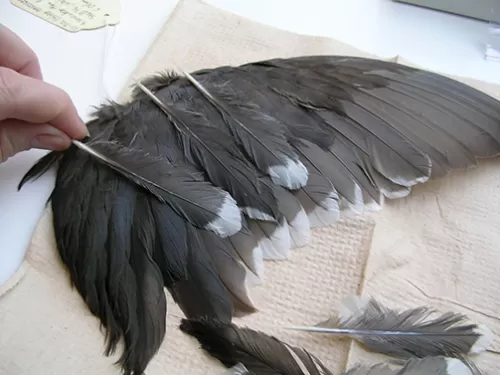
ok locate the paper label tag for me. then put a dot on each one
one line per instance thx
(74, 15)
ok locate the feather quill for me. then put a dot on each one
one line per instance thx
(256, 351)
(268, 149)
(215, 152)
(405, 334)
(183, 188)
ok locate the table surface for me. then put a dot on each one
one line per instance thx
(73, 61)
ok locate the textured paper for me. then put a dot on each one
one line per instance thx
(45, 328)
(74, 15)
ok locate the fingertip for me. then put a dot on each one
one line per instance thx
(69, 121)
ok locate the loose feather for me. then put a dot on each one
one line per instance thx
(258, 352)
(426, 366)
(405, 334)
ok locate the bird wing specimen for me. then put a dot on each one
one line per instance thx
(197, 179)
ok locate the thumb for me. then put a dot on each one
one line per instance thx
(17, 136)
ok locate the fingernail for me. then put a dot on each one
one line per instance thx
(51, 139)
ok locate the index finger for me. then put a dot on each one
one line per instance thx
(35, 101)
(15, 54)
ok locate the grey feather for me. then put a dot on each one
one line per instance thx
(337, 174)
(274, 239)
(296, 217)
(407, 333)
(233, 274)
(438, 365)
(238, 369)
(249, 251)
(377, 369)
(258, 352)
(260, 136)
(183, 188)
(217, 154)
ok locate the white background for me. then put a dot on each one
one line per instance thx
(73, 61)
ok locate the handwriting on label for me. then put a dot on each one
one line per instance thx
(74, 15)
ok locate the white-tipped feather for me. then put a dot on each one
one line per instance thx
(484, 340)
(455, 366)
(249, 251)
(254, 213)
(239, 369)
(296, 217)
(229, 220)
(291, 176)
(300, 230)
(274, 240)
(259, 267)
(320, 216)
(348, 210)
(370, 205)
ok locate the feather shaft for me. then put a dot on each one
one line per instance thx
(407, 333)
(372, 332)
(286, 170)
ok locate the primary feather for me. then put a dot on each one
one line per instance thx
(256, 155)
(179, 185)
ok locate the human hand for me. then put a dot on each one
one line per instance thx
(33, 113)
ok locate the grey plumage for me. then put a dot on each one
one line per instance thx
(246, 153)
(407, 333)
(238, 369)
(249, 352)
(423, 366)
(179, 185)
(255, 351)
